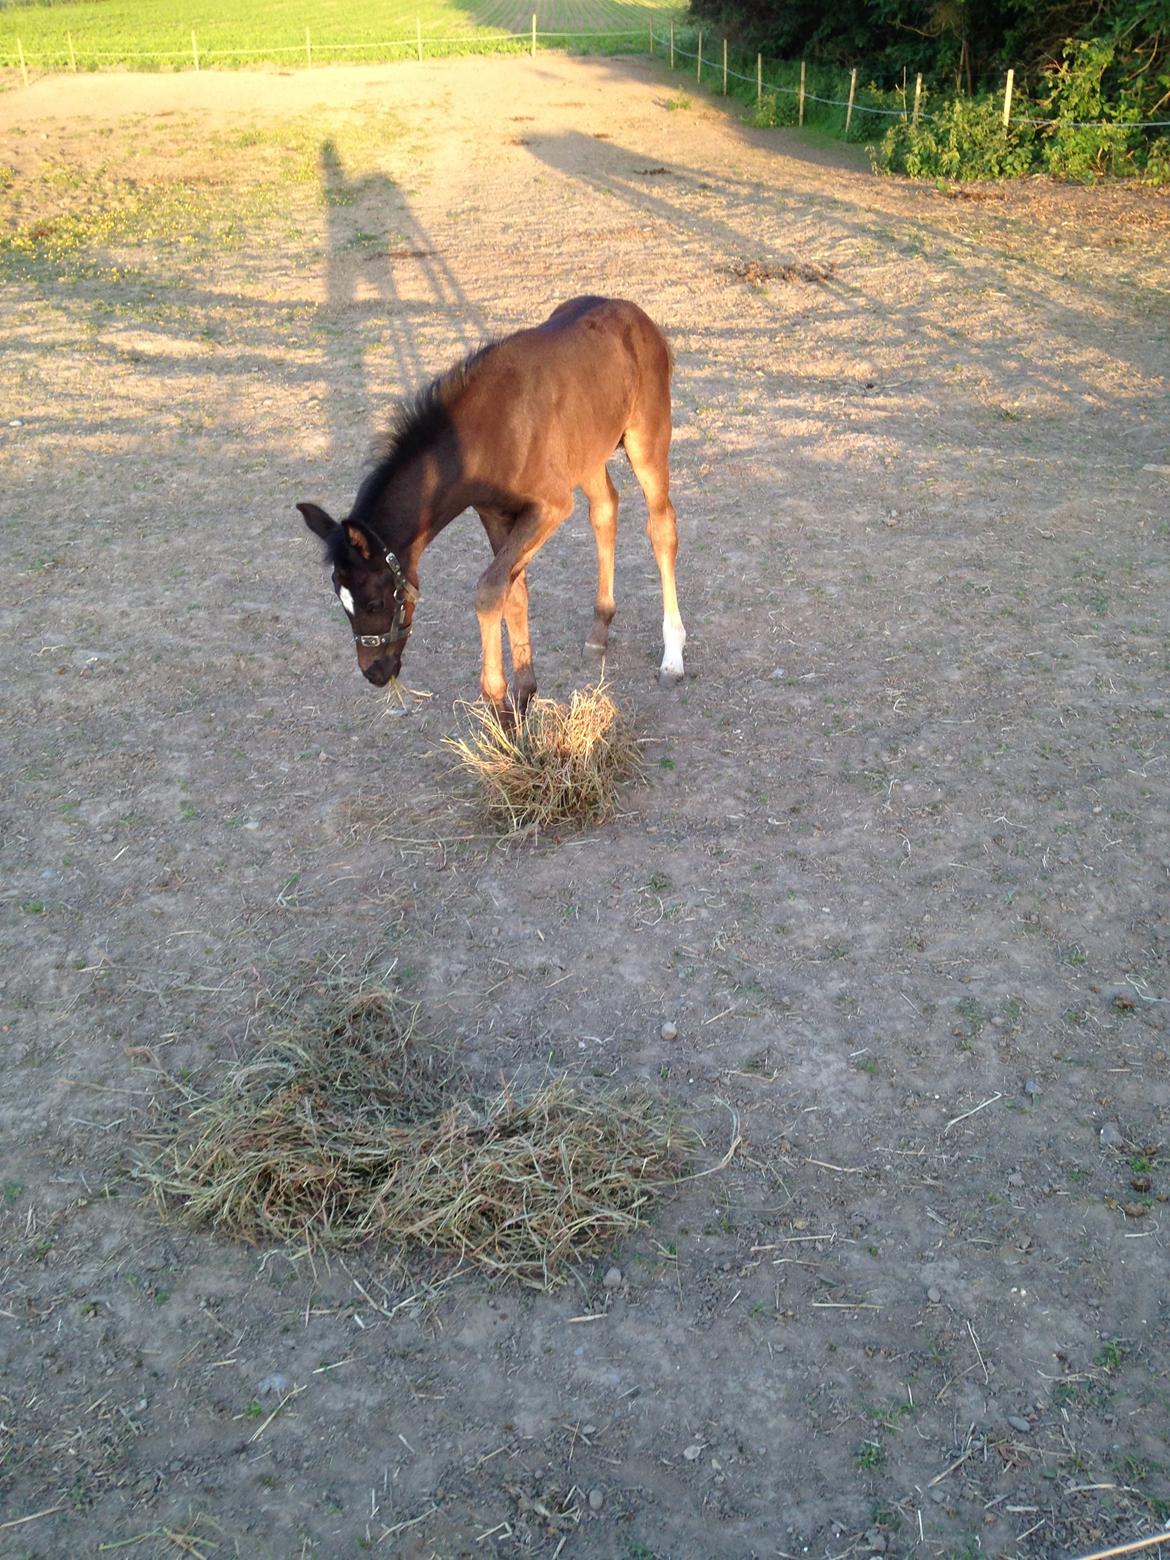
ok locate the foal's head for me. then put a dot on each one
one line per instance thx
(378, 598)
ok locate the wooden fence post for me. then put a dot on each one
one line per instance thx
(852, 95)
(194, 49)
(917, 97)
(651, 35)
(759, 78)
(308, 50)
(72, 53)
(800, 117)
(1007, 98)
(534, 35)
(672, 45)
(418, 37)
(725, 67)
(699, 61)
(23, 66)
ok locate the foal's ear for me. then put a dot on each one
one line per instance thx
(318, 521)
(360, 540)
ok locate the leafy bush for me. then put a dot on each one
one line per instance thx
(773, 109)
(965, 140)
(1085, 125)
(1077, 148)
(1156, 169)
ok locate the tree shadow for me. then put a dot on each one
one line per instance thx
(719, 213)
(385, 283)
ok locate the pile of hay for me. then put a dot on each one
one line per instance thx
(561, 766)
(345, 1133)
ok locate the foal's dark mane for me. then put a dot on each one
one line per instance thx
(418, 422)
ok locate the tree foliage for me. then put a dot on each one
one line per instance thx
(967, 44)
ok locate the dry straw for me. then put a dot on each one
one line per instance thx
(561, 766)
(344, 1131)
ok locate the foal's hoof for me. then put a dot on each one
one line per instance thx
(670, 676)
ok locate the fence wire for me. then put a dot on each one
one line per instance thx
(473, 42)
(470, 42)
(906, 113)
(809, 97)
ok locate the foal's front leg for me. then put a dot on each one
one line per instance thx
(503, 593)
(516, 617)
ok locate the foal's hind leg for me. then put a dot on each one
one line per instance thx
(603, 508)
(649, 452)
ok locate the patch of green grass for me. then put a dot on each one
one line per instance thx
(1131, 1469)
(971, 1011)
(1112, 1356)
(205, 195)
(870, 1455)
(971, 1550)
(152, 35)
(890, 1416)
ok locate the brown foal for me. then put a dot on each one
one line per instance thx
(510, 432)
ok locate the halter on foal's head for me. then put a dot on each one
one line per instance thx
(372, 587)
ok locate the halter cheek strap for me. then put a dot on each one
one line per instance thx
(399, 631)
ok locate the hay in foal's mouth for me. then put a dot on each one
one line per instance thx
(562, 765)
(344, 1131)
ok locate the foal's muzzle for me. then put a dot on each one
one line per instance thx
(382, 668)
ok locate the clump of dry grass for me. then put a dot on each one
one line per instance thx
(343, 1131)
(562, 765)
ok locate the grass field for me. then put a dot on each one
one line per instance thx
(149, 34)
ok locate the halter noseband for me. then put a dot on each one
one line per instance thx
(398, 632)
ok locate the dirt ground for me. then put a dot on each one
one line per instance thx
(899, 874)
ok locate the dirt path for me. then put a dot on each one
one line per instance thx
(899, 876)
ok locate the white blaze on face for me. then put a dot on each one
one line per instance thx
(346, 599)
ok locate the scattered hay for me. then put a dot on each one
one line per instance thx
(757, 274)
(562, 766)
(342, 1131)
